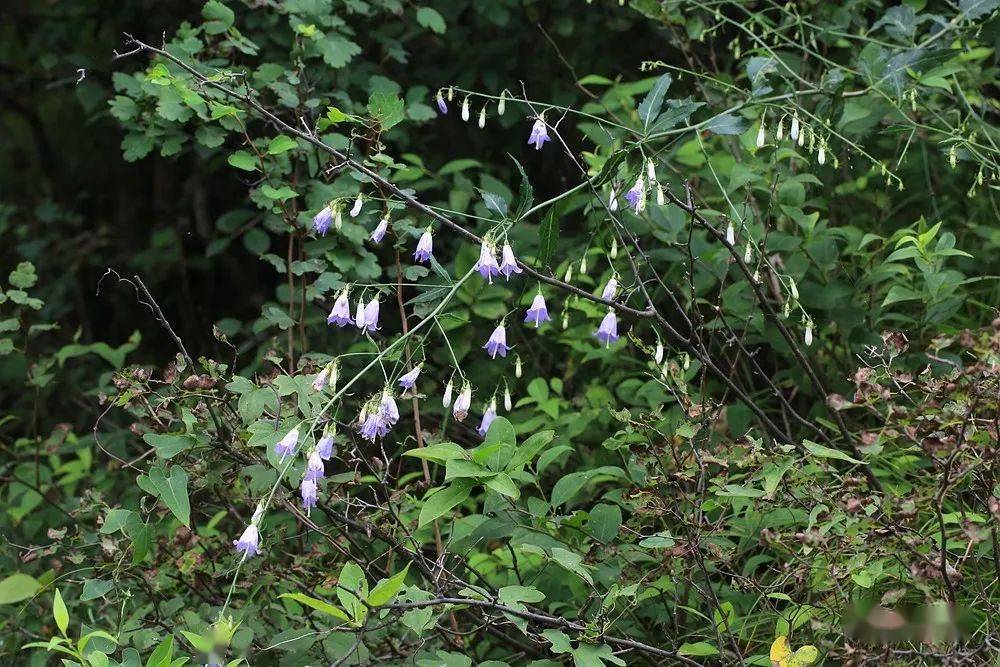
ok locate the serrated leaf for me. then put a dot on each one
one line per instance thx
(281, 144)
(243, 160)
(525, 193)
(548, 235)
(650, 106)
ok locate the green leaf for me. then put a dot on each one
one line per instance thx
(429, 18)
(440, 453)
(548, 235)
(387, 108)
(529, 449)
(337, 50)
(200, 643)
(280, 144)
(525, 193)
(24, 276)
(726, 124)
(653, 102)
(504, 485)
(172, 490)
(444, 500)
(352, 588)
(828, 453)
(18, 587)
(60, 613)
(216, 11)
(115, 520)
(169, 444)
(243, 160)
(573, 562)
(318, 605)
(698, 649)
(278, 194)
(95, 588)
(386, 590)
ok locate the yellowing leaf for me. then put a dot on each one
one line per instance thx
(780, 651)
(806, 655)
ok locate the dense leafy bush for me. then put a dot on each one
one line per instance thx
(501, 333)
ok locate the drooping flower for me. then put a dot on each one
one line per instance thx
(442, 107)
(537, 313)
(613, 201)
(508, 263)
(658, 352)
(425, 247)
(249, 542)
(502, 104)
(371, 315)
(508, 402)
(379, 232)
(286, 446)
(794, 133)
(636, 196)
(487, 264)
(809, 333)
(407, 381)
(341, 312)
(388, 408)
(610, 290)
(319, 383)
(488, 417)
(482, 118)
(607, 333)
(761, 135)
(359, 315)
(325, 447)
(314, 466)
(446, 398)
(310, 493)
(462, 403)
(661, 198)
(322, 220)
(517, 367)
(497, 344)
(465, 109)
(730, 234)
(539, 133)
(356, 209)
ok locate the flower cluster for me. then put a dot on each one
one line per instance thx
(378, 416)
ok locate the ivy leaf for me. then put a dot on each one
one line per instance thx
(172, 490)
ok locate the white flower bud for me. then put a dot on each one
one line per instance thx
(446, 401)
(730, 234)
(356, 209)
(507, 402)
(614, 247)
(761, 135)
(502, 106)
(465, 109)
(809, 334)
(482, 118)
(517, 367)
(658, 352)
